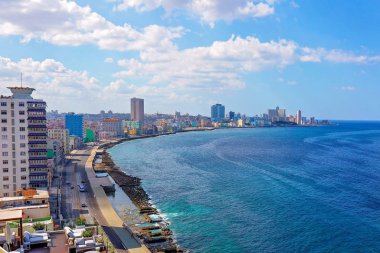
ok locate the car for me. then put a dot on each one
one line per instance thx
(84, 205)
(72, 187)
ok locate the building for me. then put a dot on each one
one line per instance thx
(23, 161)
(299, 117)
(137, 110)
(74, 122)
(113, 126)
(277, 114)
(217, 112)
(62, 135)
(231, 116)
(133, 127)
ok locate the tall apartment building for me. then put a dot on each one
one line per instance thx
(137, 109)
(217, 112)
(62, 135)
(75, 124)
(299, 117)
(23, 161)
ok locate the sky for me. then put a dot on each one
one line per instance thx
(321, 57)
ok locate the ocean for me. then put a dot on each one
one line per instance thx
(309, 189)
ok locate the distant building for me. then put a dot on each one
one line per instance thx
(62, 135)
(113, 126)
(231, 115)
(23, 161)
(137, 109)
(217, 112)
(75, 124)
(277, 114)
(133, 127)
(299, 117)
(177, 115)
(90, 135)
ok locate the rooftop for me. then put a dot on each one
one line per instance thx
(39, 194)
(8, 215)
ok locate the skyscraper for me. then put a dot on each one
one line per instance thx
(74, 122)
(299, 117)
(217, 112)
(137, 109)
(231, 115)
(23, 160)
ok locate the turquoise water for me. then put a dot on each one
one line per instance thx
(265, 190)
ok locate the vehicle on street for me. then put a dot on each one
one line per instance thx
(84, 205)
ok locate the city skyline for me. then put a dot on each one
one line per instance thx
(186, 56)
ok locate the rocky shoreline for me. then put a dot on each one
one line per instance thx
(132, 187)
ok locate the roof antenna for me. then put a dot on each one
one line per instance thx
(21, 79)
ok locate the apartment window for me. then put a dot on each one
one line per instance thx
(22, 153)
(5, 178)
(3, 112)
(21, 104)
(23, 186)
(23, 161)
(21, 112)
(4, 137)
(6, 194)
(4, 145)
(22, 120)
(6, 186)
(23, 169)
(3, 120)
(22, 145)
(5, 170)
(5, 161)
(22, 137)
(5, 153)
(3, 103)
(23, 177)
(22, 129)
(4, 129)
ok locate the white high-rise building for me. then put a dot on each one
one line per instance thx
(23, 133)
(299, 117)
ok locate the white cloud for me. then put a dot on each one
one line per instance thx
(208, 11)
(347, 88)
(66, 23)
(217, 67)
(108, 60)
(336, 56)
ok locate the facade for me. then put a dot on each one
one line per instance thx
(23, 151)
(62, 135)
(231, 116)
(133, 127)
(75, 124)
(277, 114)
(113, 126)
(299, 117)
(137, 109)
(217, 112)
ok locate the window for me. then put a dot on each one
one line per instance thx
(21, 104)
(5, 178)
(23, 169)
(23, 161)
(4, 137)
(22, 153)
(22, 145)
(4, 129)
(6, 194)
(22, 137)
(22, 129)
(4, 145)
(5, 170)
(21, 112)
(3, 112)
(23, 177)
(3, 120)
(6, 186)
(22, 120)
(3, 103)
(5, 161)
(5, 153)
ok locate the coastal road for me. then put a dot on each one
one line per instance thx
(117, 235)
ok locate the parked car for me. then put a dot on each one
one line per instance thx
(84, 205)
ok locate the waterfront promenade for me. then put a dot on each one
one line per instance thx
(105, 214)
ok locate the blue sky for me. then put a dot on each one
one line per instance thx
(321, 57)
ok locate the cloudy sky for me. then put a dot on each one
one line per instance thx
(322, 57)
